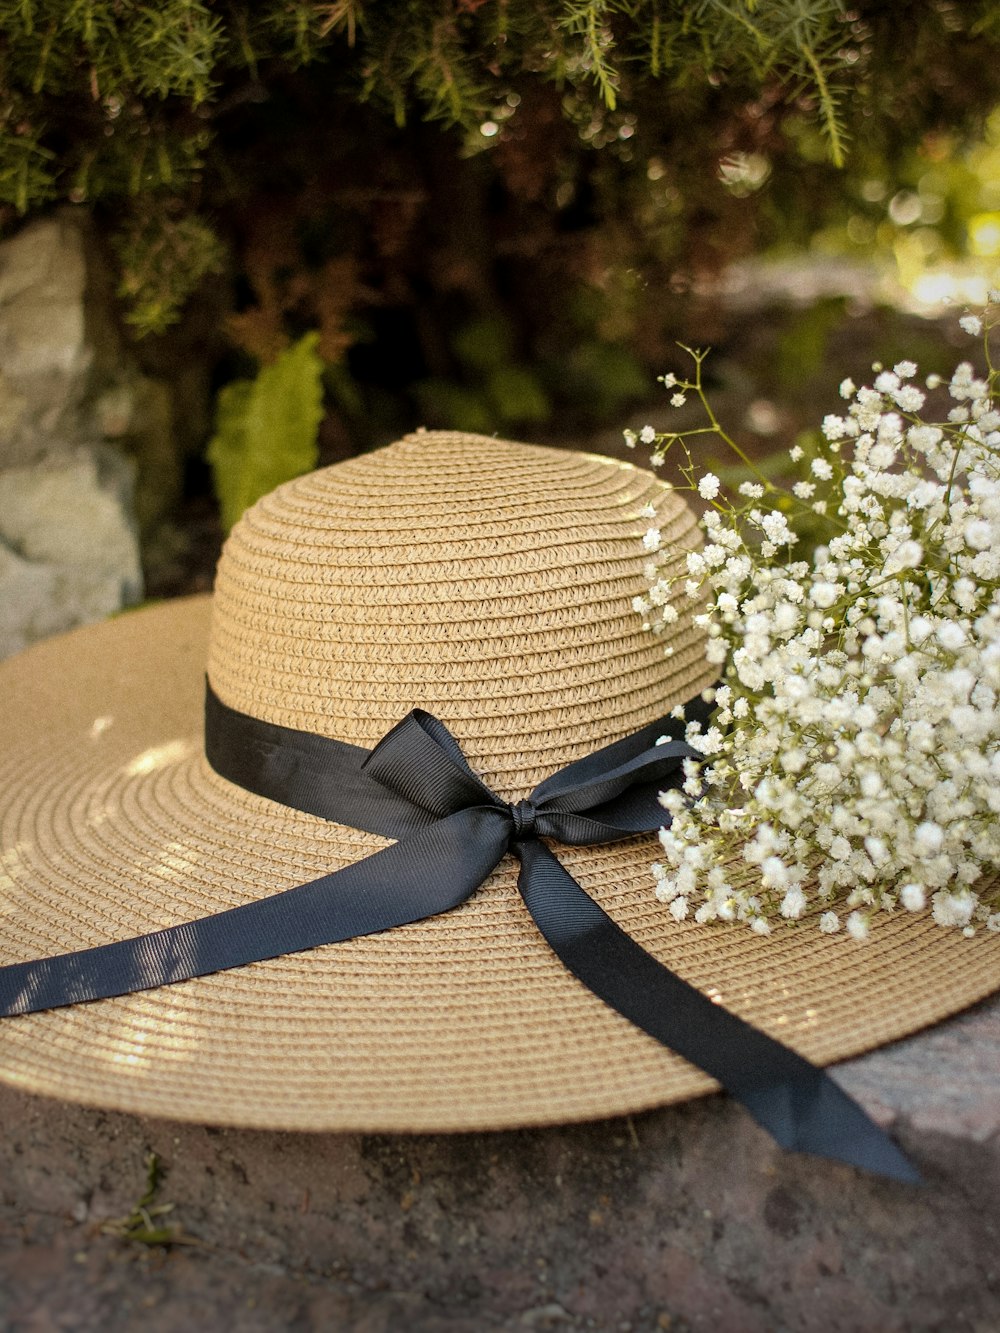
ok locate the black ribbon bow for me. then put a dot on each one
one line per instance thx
(452, 831)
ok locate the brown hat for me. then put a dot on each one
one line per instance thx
(490, 584)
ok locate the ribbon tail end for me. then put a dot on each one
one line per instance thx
(823, 1120)
(872, 1150)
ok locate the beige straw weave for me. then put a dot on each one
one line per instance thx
(490, 583)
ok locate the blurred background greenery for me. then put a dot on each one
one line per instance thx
(500, 215)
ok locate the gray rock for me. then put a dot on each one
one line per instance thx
(82, 431)
(68, 546)
(45, 357)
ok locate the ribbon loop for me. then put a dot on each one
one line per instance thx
(601, 777)
(420, 760)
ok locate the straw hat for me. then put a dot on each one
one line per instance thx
(490, 583)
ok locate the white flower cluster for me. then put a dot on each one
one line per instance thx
(853, 759)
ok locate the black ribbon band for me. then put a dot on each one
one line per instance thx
(416, 786)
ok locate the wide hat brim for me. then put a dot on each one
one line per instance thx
(113, 825)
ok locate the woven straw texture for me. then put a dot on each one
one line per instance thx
(490, 583)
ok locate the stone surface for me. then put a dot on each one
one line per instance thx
(687, 1218)
(45, 358)
(27, 600)
(69, 550)
(79, 425)
(943, 1081)
(66, 375)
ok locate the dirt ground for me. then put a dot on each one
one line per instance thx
(687, 1219)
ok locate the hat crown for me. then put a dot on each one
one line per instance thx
(488, 582)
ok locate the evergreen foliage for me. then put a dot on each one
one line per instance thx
(130, 107)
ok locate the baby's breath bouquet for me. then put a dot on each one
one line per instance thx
(852, 764)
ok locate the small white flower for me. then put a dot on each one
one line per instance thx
(793, 904)
(971, 324)
(928, 837)
(708, 486)
(665, 891)
(907, 555)
(909, 398)
(651, 539)
(913, 897)
(979, 534)
(647, 435)
(774, 872)
(840, 848)
(847, 388)
(856, 926)
(819, 467)
(710, 743)
(824, 594)
(677, 400)
(950, 636)
(953, 909)
(829, 923)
